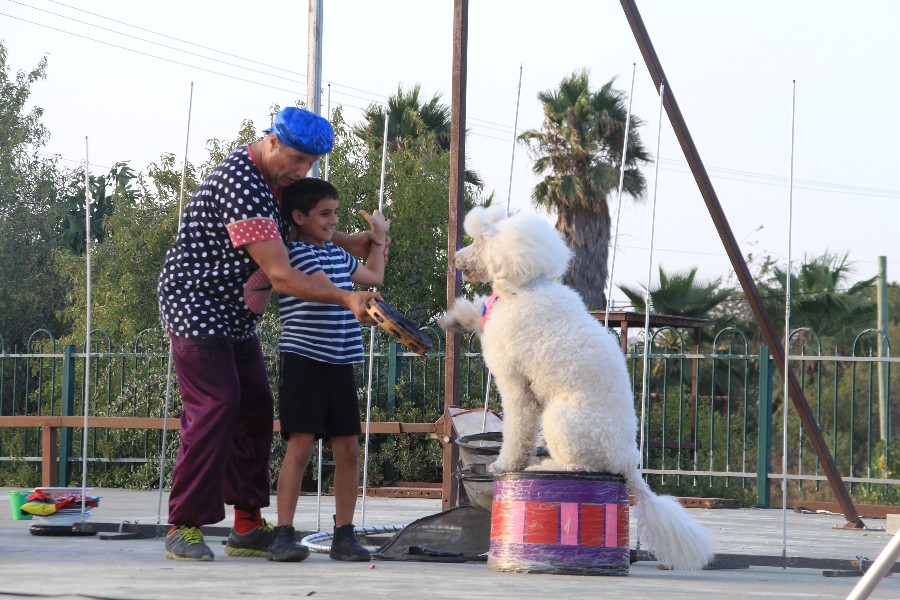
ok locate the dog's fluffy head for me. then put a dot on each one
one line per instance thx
(512, 251)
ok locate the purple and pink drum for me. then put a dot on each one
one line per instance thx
(559, 523)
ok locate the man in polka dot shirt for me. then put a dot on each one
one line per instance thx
(228, 258)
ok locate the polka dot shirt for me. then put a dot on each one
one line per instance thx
(201, 286)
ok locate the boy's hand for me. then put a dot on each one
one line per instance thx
(377, 223)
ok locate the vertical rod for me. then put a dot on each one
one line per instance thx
(321, 450)
(622, 163)
(884, 404)
(646, 378)
(162, 454)
(787, 335)
(87, 325)
(328, 116)
(456, 190)
(384, 145)
(512, 160)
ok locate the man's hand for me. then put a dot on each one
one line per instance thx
(357, 305)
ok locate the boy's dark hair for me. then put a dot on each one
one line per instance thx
(304, 194)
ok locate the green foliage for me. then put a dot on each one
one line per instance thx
(822, 299)
(125, 265)
(29, 186)
(416, 196)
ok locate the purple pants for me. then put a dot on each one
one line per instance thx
(226, 429)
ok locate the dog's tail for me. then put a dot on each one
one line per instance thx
(664, 525)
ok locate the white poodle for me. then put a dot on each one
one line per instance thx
(552, 361)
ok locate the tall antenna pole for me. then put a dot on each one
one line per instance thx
(512, 160)
(87, 325)
(372, 338)
(612, 264)
(646, 378)
(787, 337)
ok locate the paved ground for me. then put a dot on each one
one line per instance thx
(89, 567)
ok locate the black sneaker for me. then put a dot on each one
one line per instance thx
(253, 543)
(346, 546)
(186, 543)
(284, 546)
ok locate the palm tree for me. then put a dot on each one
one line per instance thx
(680, 294)
(409, 120)
(822, 299)
(578, 151)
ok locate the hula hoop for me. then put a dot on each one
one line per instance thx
(313, 540)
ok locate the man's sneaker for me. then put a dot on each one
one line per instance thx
(186, 543)
(345, 545)
(253, 543)
(284, 547)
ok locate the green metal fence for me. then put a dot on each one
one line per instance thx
(705, 416)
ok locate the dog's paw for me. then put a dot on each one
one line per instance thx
(504, 466)
(448, 321)
(464, 314)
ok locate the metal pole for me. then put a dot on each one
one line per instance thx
(787, 337)
(87, 325)
(162, 454)
(314, 64)
(612, 264)
(767, 328)
(884, 404)
(384, 146)
(878, 570)
(321, 452)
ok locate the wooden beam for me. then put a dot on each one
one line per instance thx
(737, 261)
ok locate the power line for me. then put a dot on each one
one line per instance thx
(721, 173)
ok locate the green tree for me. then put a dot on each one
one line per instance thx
(409, 123)
(680, 294)
(822, 299)
(30, 294)
(416, 201)
(126, 263)
(578, 151)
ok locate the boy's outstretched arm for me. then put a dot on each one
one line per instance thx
(372, 272)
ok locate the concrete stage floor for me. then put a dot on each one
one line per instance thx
(91, 567)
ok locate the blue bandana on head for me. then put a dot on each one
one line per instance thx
(303, 131)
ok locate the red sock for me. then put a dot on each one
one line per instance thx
(246, 521)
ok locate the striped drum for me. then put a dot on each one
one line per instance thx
(559, 522)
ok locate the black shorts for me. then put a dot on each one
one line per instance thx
(317, 397)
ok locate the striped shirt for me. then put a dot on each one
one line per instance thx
(323, 332)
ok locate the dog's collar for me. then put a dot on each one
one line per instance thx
(486, 308)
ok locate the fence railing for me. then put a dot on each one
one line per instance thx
(713, 422)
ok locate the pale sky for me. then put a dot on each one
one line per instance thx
(120, 75)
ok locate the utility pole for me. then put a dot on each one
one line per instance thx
(314, 65)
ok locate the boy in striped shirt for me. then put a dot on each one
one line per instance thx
(319, 345)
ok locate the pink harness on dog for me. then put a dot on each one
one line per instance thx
(486, 309)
